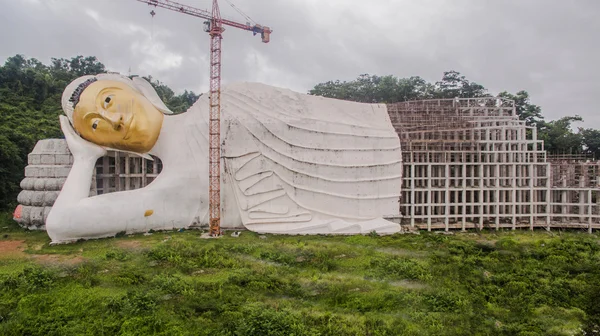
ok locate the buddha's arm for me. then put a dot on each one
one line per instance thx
(77, 186)
(75, 215)
(67, 208)
(85, 154)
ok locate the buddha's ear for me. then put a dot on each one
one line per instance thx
(148, 91)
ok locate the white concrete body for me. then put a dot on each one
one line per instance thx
(291, 163)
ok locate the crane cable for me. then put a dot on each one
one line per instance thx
(241, 13)
(152, 13)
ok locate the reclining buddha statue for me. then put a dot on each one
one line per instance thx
(291, 163)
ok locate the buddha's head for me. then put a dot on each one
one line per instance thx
(115, 112)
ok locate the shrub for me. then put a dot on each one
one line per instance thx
(399, 268)
(188, 256)
(262, 320)
(115, 254)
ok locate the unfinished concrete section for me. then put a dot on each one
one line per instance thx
(573, 191)
(471, 163)
(118, 171)
(48, 166)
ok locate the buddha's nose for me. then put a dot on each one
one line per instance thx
(115, 119)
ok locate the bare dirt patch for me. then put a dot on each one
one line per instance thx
(16, 248)
(11, 248)
(130, 244)
(486, 241)
(58, 259)
(408, 284)
(402, 252)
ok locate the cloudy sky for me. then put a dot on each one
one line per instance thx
(547, 47)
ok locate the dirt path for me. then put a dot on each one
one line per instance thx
(129, 244)
(11, 249)
(14, 249)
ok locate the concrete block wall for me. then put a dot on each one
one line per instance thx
(48, 167)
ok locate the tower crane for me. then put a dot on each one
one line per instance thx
(214, 27)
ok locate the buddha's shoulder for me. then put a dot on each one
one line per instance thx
(269, 94)
(256, 88)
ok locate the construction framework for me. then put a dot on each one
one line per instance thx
(471, 163)
(118, 171)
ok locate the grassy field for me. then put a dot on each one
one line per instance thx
(176, 283)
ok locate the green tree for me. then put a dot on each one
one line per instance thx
(532, 114)
(376, 89)
(390, 89)
(559, 137)
(455, 85)
(11, 162)
(81, 66)
(591, 141)
(177, 103)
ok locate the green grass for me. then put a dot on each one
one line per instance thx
(176, 283)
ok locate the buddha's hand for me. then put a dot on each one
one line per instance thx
(79, 147)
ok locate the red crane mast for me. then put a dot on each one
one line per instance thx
(214, 27)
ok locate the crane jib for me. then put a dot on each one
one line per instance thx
(204, 14)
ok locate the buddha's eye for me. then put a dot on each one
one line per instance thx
(95, 124)
(107, 101)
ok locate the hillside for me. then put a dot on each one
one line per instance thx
(176, 283)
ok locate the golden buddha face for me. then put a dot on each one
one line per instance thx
(112, 114)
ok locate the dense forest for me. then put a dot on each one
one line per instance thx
(30, 94)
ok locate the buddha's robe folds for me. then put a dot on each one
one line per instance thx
(296, 163)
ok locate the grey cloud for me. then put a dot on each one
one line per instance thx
(545, 47)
